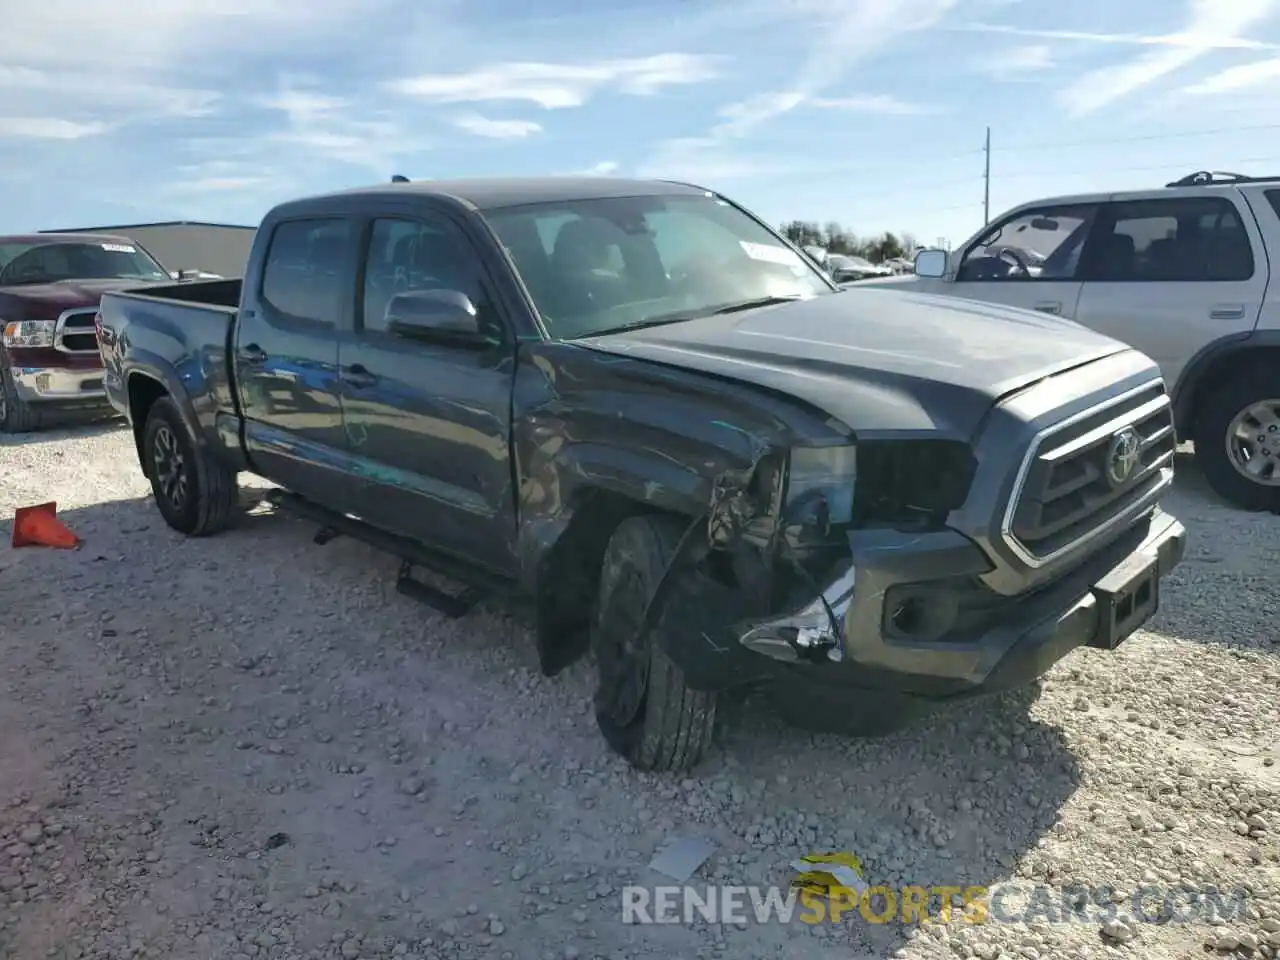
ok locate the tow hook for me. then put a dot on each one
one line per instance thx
(813, 632)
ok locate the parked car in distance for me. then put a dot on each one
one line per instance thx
(49, 290)
(1185, 274)
(636, 407)
(844, 268)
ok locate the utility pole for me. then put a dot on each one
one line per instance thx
(986, 181)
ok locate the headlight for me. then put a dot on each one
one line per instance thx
(29, 333)
(828, 473)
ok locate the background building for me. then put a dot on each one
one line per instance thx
(220, 248)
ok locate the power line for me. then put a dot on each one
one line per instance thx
(1105, 141)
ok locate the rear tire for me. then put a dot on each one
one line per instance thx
(16, 415)
(195, 492)
(1222, 455)
(644, 708)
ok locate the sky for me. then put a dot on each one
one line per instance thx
(872, 113)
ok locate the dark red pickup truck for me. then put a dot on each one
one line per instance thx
(50, 285)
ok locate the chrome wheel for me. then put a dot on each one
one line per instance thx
(1253, 442)
(170, 468)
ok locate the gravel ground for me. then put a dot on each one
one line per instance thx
(251, 746)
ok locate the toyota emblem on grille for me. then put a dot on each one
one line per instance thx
(1123, 455)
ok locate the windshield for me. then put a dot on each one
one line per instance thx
(29, 263)
(601, 265)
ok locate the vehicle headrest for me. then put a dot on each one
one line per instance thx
(582, 243)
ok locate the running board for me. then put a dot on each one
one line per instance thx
(478, 583)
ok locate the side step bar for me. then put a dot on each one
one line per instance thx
(479, 583)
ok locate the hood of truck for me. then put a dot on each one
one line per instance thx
(887, 363)
(47, 300)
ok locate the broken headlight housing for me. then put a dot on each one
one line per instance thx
(820, 484)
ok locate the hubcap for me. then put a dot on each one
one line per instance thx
(621, 655)
(1253, 442)
(170, 467)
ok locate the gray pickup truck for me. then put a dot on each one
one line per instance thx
(636, 408)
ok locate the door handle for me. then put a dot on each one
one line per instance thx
(1226, 311)
(358, 377)
(252, 353)
(1049, 306)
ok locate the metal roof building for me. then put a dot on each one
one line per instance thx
(221, 248)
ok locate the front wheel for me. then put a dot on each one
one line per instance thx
(195, 492)
(16, 415)
(644, 708)
(1237, 438)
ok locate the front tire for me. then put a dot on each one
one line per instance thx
(16, 415)
(195, 492)
(1237, 438)
(644, 708)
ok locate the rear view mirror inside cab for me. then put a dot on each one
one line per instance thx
(1044, 223)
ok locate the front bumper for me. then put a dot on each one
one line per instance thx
(993, 642)
(59, 385)
(1004, 643)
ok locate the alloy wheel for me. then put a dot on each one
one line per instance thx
(1253, 442)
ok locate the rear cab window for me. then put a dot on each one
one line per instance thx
(304, 277)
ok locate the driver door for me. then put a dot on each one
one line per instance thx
(1030, 259)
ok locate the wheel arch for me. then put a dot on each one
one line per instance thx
(1226, 356)
(568, 570)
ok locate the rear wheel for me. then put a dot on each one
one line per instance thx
(1237, 438)
(644, 708)
(195, 492)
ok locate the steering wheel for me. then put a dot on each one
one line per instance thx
(1016, 259)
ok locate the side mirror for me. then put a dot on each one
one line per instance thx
(931, 263)
(444, 315)
(189, 274)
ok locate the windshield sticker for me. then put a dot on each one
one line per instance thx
(119, 248)
(769, 254)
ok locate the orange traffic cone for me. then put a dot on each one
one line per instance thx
(39, 526)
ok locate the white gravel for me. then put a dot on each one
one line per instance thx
(252, 746)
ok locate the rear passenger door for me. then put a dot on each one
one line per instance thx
(1029, 259)
(428, 422)
(286, 354)
(1171, 274)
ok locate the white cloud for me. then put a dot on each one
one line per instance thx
(874, 103)
(48, 128)
(218, 184)
(1238, 78)
(482, 126)
(1198, 42)
(554, 86)
(604, 168)
(338, 129)
(1016, 62)
(1209, 22)
(845, 33)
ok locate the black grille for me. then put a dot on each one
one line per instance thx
(78, 333)
(1069, 490)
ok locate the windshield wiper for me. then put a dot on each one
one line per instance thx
(751, 304)
(663, 319)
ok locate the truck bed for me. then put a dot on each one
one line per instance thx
(177, 335)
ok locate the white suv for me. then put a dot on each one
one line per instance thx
(1181, 273)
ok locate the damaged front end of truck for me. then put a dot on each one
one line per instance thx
(766, 576)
